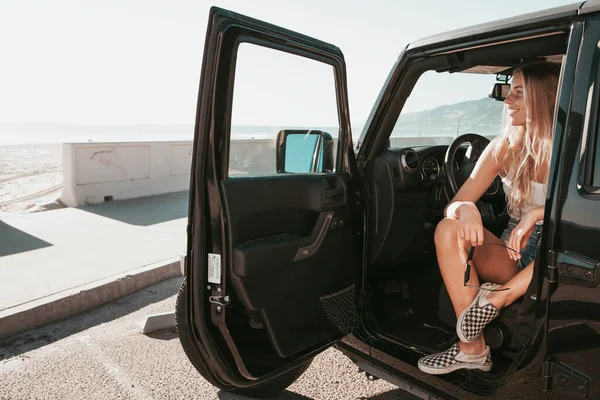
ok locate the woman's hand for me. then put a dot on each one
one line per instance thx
(470, 226)
(520, 235)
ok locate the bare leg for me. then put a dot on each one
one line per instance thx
(492, 262)
(451, 254)
(518, 286)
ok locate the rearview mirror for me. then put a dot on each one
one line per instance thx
(304, 151)
(499, 91)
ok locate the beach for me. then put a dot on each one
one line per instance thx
(30, 177)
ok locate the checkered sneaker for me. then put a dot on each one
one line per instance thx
(474, 318)
(453, 359)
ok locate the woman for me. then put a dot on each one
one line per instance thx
(521, 156)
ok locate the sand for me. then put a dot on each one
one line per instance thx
(30, 177)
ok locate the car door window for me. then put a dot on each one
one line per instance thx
(275, 91)
(595, 138)
(589, 178)
(596, 170)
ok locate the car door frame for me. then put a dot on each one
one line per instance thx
(567, 267)
(392, 96)
(211, 136)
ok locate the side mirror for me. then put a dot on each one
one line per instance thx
(499, 91)
(304, 151)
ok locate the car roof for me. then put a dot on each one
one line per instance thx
(590, 6)
(556, 13)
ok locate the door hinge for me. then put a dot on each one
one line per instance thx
(573, 268)
(552, 271)
(560, 376)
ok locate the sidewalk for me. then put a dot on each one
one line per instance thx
(57, 263)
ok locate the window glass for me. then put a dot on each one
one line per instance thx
(596, 172)
(277, 91)
(595, 142)
(443, 106)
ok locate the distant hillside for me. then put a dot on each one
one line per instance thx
(482, 116)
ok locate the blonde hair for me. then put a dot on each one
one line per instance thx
(525, 151)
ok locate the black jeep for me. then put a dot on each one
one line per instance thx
(334, 245)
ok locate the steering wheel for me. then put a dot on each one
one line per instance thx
(458, 176)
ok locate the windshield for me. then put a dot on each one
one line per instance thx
(443, 106)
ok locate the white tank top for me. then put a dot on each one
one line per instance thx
(538, 194)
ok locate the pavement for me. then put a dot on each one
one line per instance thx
(58, 263)
(101, 354)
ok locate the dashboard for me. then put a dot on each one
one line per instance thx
(419, 167)
(431, 169)
(409, 192)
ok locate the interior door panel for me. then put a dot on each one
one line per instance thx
(290, 236)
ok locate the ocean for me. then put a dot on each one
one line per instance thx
(32, 134)
(15, 134)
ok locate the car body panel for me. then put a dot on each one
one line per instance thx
(590, 6)
(573, 341)
(497, 27)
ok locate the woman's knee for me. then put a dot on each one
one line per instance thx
(446, 233)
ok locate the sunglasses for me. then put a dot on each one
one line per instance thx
(468, 268)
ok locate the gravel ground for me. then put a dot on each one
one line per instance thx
(102, 355)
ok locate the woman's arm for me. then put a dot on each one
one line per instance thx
(537, 213)
(521, 233)
(462, 206)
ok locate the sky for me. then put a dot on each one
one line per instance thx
(138, 61)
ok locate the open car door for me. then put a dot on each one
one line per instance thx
(272, 256)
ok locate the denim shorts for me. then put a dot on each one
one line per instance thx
(527, 253)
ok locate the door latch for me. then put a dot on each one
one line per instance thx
(219, 300)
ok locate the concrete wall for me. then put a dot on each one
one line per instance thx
(94, 172)
(123, 170)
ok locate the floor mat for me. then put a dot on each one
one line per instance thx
(406, 307)
(407, 322)
(428, 337)
(394, 287)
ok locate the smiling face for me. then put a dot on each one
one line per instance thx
(515, 101)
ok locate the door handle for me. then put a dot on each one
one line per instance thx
(329, 193)
(311, 248)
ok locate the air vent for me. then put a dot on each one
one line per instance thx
(410, 160)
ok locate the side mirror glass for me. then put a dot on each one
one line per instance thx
(499, 91)
(304, 151)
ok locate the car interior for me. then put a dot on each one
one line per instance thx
(408, 188)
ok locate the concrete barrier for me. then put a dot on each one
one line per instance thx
(100, 171)
(97, 172)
